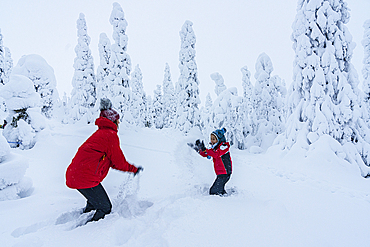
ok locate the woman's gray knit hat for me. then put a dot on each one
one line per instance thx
(107, 111)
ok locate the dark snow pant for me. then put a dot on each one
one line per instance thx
(218, 187)
(97, 199)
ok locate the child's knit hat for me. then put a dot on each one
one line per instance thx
(220, 135)
(107, 111)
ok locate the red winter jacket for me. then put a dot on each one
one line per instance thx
(221, 158)
(95, 156)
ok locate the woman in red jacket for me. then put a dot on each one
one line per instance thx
(93, 159)
(222, 163)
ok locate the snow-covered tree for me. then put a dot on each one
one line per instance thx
(219, 81)
(187, 87)
(246, 108)
(225, 113)
(121, 61)
(3, 111)
(83, 96)
(267, 117)
(138, 102)
(6, 65)
(103, 84)
(269, 94)
(6, 62)
(206, 122)
(149, 112)
(42, 75)
(24, 119)
(158, 108)
(13, 183)
(366, 72)
(323, 98)
(247, 89)
(64, 109)
(169, 100)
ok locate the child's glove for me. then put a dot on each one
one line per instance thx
(200, 145)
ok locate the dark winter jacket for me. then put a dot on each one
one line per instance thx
(94, 158)
(221, 158)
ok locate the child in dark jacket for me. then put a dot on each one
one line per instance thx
(222, 163)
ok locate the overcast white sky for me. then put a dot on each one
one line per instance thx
(230, 34)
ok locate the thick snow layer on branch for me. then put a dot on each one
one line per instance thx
(19, 93)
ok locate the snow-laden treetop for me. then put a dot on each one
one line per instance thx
(119, 23)
(19, 93)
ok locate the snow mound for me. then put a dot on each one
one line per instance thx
(4, 148)
(13, 184)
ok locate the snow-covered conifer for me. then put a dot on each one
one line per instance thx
(83, 96)
(266, 120)
(103, 86)
(323, 98)
(24, 119)
(268, 95)
(209, 102)
(149, 112)
(158, 108)
(6, 65)
(6, 62)
(3, 111)
(187, 87)
(206, 123)
(42, 75)
(64, 109)
(247, 89)
(246, 109)
(138, 101)
(169, 100)
(366, 72)
(121, 61)
(225, 113)
(219, 81)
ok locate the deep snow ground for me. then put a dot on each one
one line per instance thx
(281, 201)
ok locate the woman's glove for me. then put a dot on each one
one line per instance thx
(139, 169)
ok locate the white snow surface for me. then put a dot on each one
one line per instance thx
(311, 198)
